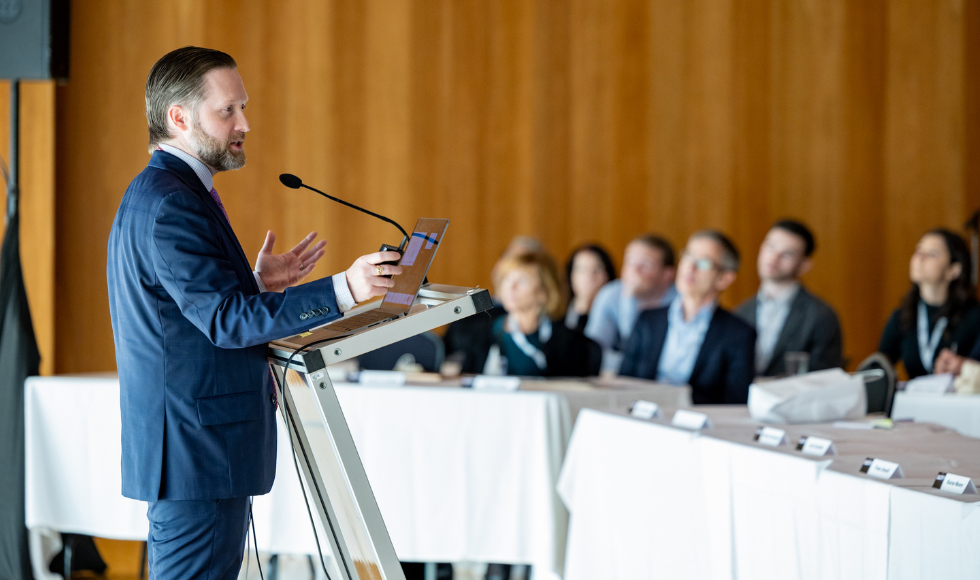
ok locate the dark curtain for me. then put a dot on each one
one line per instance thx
(19, 359)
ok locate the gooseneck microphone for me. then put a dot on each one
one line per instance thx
(291, 181)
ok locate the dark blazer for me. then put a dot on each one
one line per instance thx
(190, 330)
(811, 326)
(725, 365)
(471, 337)
(568, 353)
(898, 343)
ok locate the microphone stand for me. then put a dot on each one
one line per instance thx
(293, 182)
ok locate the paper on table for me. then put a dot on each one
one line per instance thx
(931, 384)
(645, 410)
(865, 425)
(382, 378)
(496, 383)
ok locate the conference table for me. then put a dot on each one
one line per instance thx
(649, 500)
(960, 413)
(459, 474)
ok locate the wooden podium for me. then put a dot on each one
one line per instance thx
(353, 530)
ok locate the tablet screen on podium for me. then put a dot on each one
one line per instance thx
(415, 262)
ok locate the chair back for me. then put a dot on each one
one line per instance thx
(881, 391)
(426, 348)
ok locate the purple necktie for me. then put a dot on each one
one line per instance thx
(221, 206)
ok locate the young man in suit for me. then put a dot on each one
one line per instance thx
(786, 317)
(694, 341)
(191, 319)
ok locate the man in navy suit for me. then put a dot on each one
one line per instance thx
(694, 341)
(191, 319)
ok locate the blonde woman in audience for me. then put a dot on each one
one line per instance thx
(940, 310)
(465, 339)
(530, 340)
(588, 269)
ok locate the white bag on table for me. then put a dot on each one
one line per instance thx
(817, 397)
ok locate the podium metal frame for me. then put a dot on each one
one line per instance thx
(355, 531)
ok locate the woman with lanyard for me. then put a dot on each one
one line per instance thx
(530, 340)
(940, 310)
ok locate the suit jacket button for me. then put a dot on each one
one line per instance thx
(272, 398)
(303, 316)
(317, 312)
(326, 309)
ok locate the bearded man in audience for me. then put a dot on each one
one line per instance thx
(646, 282)
(786, 317)
(694, 341)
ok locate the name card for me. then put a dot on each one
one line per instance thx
(496, 383)
(882, 469)
(952, 483)
(382, 378)
(931, 384)
(341, 373)
(770, 436)
(690, 420)
(817, 446)
(645, 410)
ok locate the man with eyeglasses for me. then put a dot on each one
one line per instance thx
(787, 318)
(694, 341)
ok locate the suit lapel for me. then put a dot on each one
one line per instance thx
(657, 339)
(168, 162)
(751, 310)
(710, 339)
(226, 227)
(794, 319)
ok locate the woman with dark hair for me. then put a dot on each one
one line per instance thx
(939, 311)
(588, 269)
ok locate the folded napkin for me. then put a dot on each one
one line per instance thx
(817, 397)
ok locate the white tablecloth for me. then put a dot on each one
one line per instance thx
(650, 501)
(958, 412)
(459, 475)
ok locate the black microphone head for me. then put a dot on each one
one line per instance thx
(290, 180)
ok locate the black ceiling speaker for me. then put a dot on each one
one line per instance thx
(34, 39)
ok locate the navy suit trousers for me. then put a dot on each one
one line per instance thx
(197, 538)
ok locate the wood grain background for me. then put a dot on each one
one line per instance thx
(569, 120)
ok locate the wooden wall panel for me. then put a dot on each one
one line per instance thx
(570, 120)
(971, 86)
(925, 129)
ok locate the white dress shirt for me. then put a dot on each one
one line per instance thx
(770, 317)
(683, 343)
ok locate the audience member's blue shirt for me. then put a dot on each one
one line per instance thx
(613, 315)
(683, 342)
